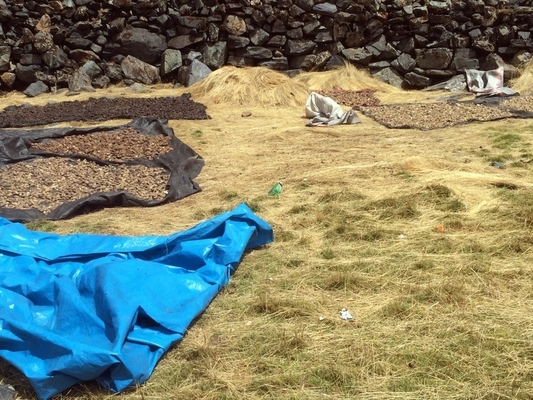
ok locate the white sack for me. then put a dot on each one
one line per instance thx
(487, 83)
(323, 111)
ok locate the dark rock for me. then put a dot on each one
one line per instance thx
(435, 73)
(5, 56)
(415, 80)
(180, 42)
(521, 58)
(306, 5)
(142, 44)
(324, 36)
(404, 63)
(257, 52)
(335, 62)
(327, 9)
(112, 71)
(79, 81)
(296, 11)
(355, 39)
(259, 37)
(438, 58)
(101, 82)
(277, 63)
(390, 76)
(311, 28)
(457, 83)
(82, 56)
(199, 23)
(407, 45)
(43, 41)
(197, 72)
(464, 59)
(277, 41)
(295, 33)
(239, 61)
(171, 60)
(194, 55)
(504, 35)
(360, 56)
(278, 27)
(215, 54)
(26, 73)
(494, 61)
(300, 47)
(213, 32)
(110, 50)
(8, 78)
(483, 45)
(78, 43)
(29, 59)
(92, 69)
(238, 42)
(55, 58)
(305, 63)
(36, 88)
(379, 65)
(139, 71)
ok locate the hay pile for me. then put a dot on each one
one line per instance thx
(255, 86)
(524, 83)
(346, 78)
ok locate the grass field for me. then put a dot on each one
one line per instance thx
(414, 232)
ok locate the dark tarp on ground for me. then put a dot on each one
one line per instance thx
(82, 307)
(183, 163)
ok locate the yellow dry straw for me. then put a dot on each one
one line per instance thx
(524, 83)
(348, 77)
(253, 87)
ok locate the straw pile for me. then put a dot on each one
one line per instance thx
(255, 86)
(523, 84)
(346, 78)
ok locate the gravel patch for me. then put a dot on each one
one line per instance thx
(522, 103)
(46, 183)
(351, 98)
(427, 116)
(125, 145)
(103, 109)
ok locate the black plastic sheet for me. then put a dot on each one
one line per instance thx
(182, 162)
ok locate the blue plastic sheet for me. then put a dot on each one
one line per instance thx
(82, 307)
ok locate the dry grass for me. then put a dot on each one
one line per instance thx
(249, 87)
(426, 244)
(522, 84)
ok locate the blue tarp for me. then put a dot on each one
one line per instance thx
(82, 307)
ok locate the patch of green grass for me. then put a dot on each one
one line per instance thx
(400, 307)
(402, 207)
(453, 205)
(100, 227)
(197, 133)
(300, 209)
(340, 197)
(41, 225)
(229, 195)
(254, 205)
(283, 235)
(444, 293)
(328, 254)
(424, 264)
(407, 176)
(345, 281)
(506, 141)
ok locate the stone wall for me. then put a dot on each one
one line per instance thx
(90, 43)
